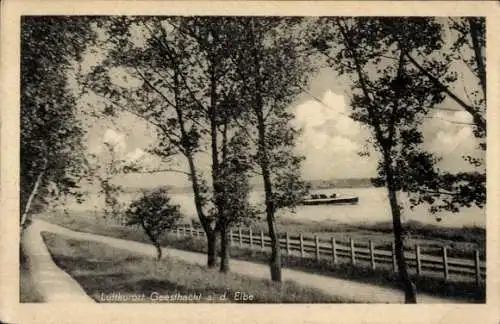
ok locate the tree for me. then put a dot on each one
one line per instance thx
(234, 173)
(469, 47)
(104, 167)
(185, 90)
(213, 37)
(452, 191)
(155, 214)
(161, 97)
(392, 98)
(273, 72)
(50, 141)
(192, 84)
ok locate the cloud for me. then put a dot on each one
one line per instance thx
(447, 142)
(115, 140)
(462, 117)
(134, 155)
(331, 139)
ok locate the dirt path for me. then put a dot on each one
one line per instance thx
(52, 283)
(361, 292)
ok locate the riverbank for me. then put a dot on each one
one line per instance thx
(113, 275)
(464, 291)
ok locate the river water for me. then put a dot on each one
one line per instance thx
(373, 207)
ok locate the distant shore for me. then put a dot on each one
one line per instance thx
(315, 185)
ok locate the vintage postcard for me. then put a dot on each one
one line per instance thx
(249, 161)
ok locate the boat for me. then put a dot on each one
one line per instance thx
(333, 199)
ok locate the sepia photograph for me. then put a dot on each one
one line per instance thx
(252, 159)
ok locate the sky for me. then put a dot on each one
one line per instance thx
(330, 140)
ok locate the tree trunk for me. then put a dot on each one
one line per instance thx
(224, 249)
(478, 55)
(409, 287)
(275, 261)
(211, 235)
(211, 248)
(33, 194)
(158, 252)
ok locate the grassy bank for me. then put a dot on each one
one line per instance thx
(108, 274)
(382, 276)
(465, 290)
(461, 241)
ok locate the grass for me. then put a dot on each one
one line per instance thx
(471, 234)
(109, 274)
(27, 288)
(461, 242)
(385, 277)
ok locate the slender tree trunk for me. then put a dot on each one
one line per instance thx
(409, 287)
(158, 252)
(205, 222)
(275, 261)
(211, 233)
(33, 194)
(212, 242)
(153, 240)
(224, 249)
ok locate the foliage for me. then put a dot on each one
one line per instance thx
(191, 80)
(469, 48)
(104, 167)
(50, 141)
(272, 79)
(395, 99)
(269, 63)
(155, 213)
(453, 191)
(392, 102)
(234, 185)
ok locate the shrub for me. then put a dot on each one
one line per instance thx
(154, 213)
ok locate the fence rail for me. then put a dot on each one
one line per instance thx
(354, 252)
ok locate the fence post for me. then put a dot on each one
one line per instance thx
(185, 229)
(262, 245)
(240, 237)
(301, 238)
(287, 236)
(334, 251)
(316, 242)
(478, 268)
(231, 236)
(394, 261)
(177, 232)
(417, 258)
(445, 263)
(251, 238)
(372, 255)
(353, 253)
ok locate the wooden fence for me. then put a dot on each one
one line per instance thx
(354, 252)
